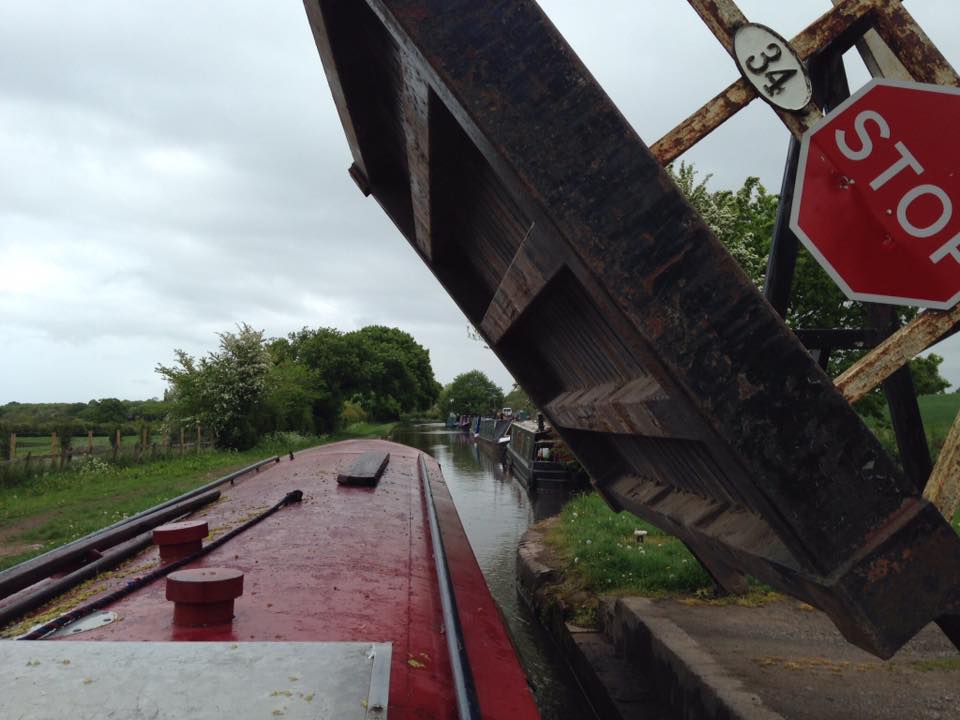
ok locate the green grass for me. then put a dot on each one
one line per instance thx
(599, 555)
(939, 411)
(57, 507)
(363, 430)
(951, 663)
(599, 547)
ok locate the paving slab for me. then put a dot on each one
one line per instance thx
(792, 659)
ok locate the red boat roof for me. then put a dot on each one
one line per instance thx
(345, 564)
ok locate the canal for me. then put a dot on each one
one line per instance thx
(496, 511)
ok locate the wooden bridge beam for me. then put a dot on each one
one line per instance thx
(415, 102)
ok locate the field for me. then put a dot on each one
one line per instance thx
(55, 508)
(938, 413)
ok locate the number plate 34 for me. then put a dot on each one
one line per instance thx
(772, 67)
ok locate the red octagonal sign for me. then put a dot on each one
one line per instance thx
(878, 194)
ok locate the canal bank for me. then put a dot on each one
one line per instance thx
(783, 660)
(496, 511)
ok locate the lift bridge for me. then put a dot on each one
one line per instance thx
(563, 239)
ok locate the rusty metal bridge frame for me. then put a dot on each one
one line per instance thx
(559, 234)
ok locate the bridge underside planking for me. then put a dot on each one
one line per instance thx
(563, 240)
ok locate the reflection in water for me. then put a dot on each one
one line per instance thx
(496, 511)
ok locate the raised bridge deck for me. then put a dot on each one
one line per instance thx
(563, 240)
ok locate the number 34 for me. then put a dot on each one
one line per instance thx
(776, 78)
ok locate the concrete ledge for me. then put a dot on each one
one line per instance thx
(639, 663)
(615, 687)
(707, 661)
(687, 677)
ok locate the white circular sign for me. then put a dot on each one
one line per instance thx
(773, 68)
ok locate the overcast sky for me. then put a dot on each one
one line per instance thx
(168, 170)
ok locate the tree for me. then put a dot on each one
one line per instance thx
(743, 221)
(471, 393)
(926, 375)
(107, 411)
(331, 364)
(382, 369)
(394, 375)
(518, 400)
(225, 390)
(291, 391)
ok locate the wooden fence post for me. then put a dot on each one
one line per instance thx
(13, 446)
(53, 443)
(116, 447)
(181, 441)
(90, 442)
(199, 436)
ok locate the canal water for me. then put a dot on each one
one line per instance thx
(496, 511)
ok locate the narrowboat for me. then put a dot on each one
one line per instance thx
(532, 456)
(493, 435)
(337, 584)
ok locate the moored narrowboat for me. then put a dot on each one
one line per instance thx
(532, 455)
(493, 436)
(357, 595)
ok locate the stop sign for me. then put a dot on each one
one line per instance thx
(877, 186)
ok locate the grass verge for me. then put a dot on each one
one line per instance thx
(599, 555)
(57, 507)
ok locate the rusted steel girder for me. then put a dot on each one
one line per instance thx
(838, 27)
(562, 238)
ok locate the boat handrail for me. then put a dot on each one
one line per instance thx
(468, 707)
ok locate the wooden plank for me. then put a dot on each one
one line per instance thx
(877, 56)
(366, 469)
(616, 407)
(895, 352)
(921, 58)
(722, 17)
(332, 62)
(415, 101)
(536, 262)
(943, 487)
(704, 121)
